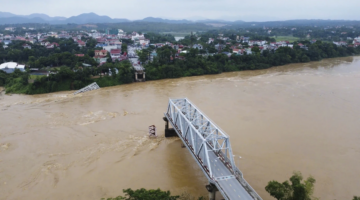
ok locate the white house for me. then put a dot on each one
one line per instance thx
(121, 33)
(26, 46)
(115, 53)
(197, 46)
(144, 42)
(10, 29)
(136, 35)
(109, 48)
(10, 67)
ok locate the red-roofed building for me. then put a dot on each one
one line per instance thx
(81, 43)
(356, 44)
(115, 53)
(26, 46)
(101, 53)
(236, 50)
(79, 55)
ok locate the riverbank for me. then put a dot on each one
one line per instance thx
(298, 117)
(192, 64)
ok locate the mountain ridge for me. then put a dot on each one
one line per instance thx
(84, 18)
(91, 18)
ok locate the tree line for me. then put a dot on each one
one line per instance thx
(296, 189)
(39, 56)
(166, 66)
(65, 78)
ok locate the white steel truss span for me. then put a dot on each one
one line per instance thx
(92, 86)
(207, 143)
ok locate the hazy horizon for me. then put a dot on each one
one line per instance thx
(231, 10)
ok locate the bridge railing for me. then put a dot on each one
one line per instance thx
(92, 86)
(201, 135)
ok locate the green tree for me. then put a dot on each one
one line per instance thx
(143, 194)
(124, 47)
(255, 50)
(294, 191)
(109, 59)
(91, 53)
(356, 198)
(143, 55)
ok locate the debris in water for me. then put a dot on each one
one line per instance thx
(152, 131)
(5, 146)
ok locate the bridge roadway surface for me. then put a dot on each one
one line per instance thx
(230, 185)
(223, 176)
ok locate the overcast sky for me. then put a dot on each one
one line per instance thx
(247, 10)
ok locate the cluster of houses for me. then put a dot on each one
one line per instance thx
(41, 39)
(355, 42)
(244, 45)
(111, 44)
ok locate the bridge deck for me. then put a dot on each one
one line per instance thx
(210, 147)
(226, 180)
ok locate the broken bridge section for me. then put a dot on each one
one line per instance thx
(92, 86)
(211, 149)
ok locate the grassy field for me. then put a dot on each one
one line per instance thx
(35, 76)
(286, 38)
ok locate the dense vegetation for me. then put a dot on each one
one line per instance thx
(143, 194)
(39, 56)
(159, 38)
(297, 190)
(163, 66)
(65, 78)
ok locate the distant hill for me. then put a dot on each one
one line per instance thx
(92, 18)
(21, 20)
(9, 18)
(6, 14)
(45, 17)
(153, 19)
(85, 18)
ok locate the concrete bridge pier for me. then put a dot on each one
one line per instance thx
(169, 132)
(140, 76)
(211, 188)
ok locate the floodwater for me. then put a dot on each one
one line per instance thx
(303, 117)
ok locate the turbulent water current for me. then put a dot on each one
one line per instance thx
(298, 117)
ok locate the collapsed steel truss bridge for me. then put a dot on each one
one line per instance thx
(211, 149)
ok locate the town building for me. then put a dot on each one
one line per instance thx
(10, 67)
(115, 53)
(26, 46)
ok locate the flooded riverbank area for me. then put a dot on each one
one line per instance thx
(303, 117)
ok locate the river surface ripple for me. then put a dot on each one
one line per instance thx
(303, 117)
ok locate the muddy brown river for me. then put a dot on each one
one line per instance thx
(298, 117)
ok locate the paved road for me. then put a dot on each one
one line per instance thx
(230, 185)
(223, 176)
